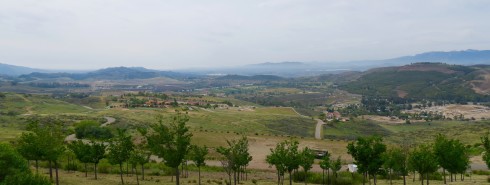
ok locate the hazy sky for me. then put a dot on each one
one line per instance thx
(165, 34)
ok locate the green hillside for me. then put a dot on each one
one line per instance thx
(419, 81)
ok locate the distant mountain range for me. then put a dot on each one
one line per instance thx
(114, 73)
(284, 69)
(296, 69)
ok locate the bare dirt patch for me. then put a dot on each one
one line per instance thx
(468, 111)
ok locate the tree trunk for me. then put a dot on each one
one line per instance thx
(422, 178)
(306, 175)
(182, 169)
(177, 178)
(234, 177)
(121, 173)
(199, 173)
(127, 169)
(391, 180)
(374, 179)
(404, 180)
(95, 170)
(290, 179)
(427, 178)
(56, 169)
(50, 172)
(444, 174)
(323, 176)
(137, 179)
(142, 172)
(364, 178)
(86, 170)
(37, 166)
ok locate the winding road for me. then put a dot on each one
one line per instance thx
(73, 137)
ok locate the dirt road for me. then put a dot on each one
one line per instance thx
(319, 128)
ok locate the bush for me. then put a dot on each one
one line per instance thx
(104, 167)
(25, 178)
(316, 178)
(481, 172)
(91, 129)
(14, 169)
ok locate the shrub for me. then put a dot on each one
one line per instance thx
(91, 129)
(104, 167)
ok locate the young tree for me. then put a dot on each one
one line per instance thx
(171, 142)
(486, 145)
(120, 149)
(29, 147)
(276, 158)
(396, 161)
(96, 153)
(424, 161)
(291, 157)
(82, 153)
(236, 155)
(367, 153)
(198, 156)
(451, 155)
(442, 150)
(306, 160)
(138, 156)
(325, 164)
(336, 166)
(51, 139)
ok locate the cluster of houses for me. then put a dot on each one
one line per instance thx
(335, 115)
(155, 103)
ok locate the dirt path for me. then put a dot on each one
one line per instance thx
(319, 128)
(73, 137)
(109, 121)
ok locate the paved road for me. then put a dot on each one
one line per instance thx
(319, 128)
(73, 137)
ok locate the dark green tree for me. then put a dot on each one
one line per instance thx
(367, 153)
(424, 161)
(171, 142)
(14, 169)
(395, 161)
(29, 147)
(96, 153)
(120, 149)
(82, 153)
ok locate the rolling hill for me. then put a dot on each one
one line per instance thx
(435, 81)
(12, 70)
